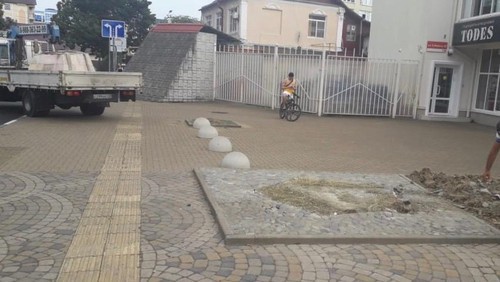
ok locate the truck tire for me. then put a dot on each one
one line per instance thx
(92, 109)
(31, 105)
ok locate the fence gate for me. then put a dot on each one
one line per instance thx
(335, 85)
(370, 87)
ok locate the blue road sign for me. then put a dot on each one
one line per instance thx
(110, 29)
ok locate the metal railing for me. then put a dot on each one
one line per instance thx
(328, 84)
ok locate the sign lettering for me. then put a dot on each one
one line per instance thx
(477, 32)
(437, 46)
(33, 29)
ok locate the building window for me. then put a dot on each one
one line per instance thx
(487, 90)
(473, 8)
(234, 20)
(351, 33)
(317, 26)
(208, 20)
(218, 21)
(367, 2)
(6, 6)
(368, 15)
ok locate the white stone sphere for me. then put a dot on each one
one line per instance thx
(235, 160)
(208, 132)
(200, 122)
(220, 144)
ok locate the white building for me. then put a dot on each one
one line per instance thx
(21, 11)
(457, 43)
(45, 16)
(303, 23)
(48, 14)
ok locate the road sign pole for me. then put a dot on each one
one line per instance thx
(114, 54)
(109, 56)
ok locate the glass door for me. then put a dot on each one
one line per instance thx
(441, 90)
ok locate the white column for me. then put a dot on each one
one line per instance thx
(340, 29)
(243, 18)
(322, 82)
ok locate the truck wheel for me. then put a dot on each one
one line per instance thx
(92, 109)
(31, 105)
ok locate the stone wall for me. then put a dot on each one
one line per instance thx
(195, 77)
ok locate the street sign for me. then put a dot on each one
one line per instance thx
(33, 29)
(437, 46)
(112, 29)
(120, 43)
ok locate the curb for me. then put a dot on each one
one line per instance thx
(214, 207)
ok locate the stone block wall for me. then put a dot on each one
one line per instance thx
(195, 78)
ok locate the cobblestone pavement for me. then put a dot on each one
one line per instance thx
(39, 214)
(52, 164)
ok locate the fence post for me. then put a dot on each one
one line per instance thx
(396, 91)
(275, 77)
(215, 71)
(241, 74)
(322, 81)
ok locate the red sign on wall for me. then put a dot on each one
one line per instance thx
(437, 46)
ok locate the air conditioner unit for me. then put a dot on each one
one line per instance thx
(235, 15)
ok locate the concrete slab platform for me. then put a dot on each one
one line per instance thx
(247, 216)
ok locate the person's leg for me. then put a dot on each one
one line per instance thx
(284, 97)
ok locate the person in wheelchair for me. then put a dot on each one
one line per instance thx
(288, 88)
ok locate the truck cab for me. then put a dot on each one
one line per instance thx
(31, 48)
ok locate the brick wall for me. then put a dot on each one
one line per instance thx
(195, 78)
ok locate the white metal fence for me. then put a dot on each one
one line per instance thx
(328, 84)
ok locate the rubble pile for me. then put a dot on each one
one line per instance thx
(467, 192)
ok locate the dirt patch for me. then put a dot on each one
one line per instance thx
(326, 197)
(467, 192)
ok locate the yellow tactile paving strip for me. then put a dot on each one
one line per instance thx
(106, 244)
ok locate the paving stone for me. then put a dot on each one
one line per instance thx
(43, 198)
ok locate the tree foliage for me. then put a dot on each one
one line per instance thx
(179, 19)
(3, 23)
(80, 22)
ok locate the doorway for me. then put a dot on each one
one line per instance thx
(441, 101)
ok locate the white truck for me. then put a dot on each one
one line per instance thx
(42, 79)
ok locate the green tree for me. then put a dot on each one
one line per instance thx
(179, 19)
(80, 22)
(3, 24)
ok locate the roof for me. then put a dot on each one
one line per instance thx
(178, 27)
(26, 2)
(349, 12)
(214, 3)
(222, 38)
